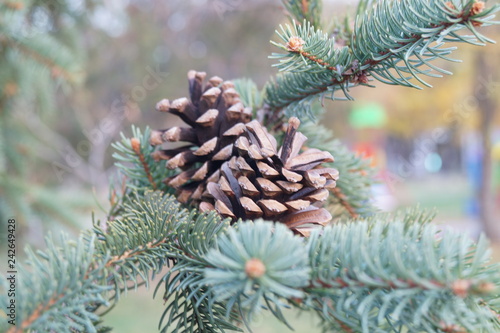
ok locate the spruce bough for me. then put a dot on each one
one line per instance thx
(364, 272)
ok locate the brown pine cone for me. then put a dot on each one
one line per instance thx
(215, 117)
(262, 182)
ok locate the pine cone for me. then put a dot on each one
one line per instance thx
(285, 185)
(216, 117)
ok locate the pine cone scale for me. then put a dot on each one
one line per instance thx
(297, 205)
(308, 160)
(182, 108)
(272, 207)
(270, 189)
(224, 154)
(208, 118)
(252, 210)
(207, 148)
(235, 130)
(288, 142)
(313, 216)
(289, 187)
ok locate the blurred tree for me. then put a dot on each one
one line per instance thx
(40, 56)
(486, 105)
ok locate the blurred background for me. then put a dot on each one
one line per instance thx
(76, 73)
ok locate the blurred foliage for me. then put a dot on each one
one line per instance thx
(40, 59)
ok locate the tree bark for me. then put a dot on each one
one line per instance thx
(486, 105)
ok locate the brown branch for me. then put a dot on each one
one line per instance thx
(305, 7)
(128, 254)
(344, 326)
(35, 315)
(45, 307)
(396, 284)
(344, 202)
(315, 59)
(55, 69)
(136, 146)
(353, 74)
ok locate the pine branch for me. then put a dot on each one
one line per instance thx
(134, 160)
(391, 276)
(66, 286)
(295, 92)
(383, 275)
(191, 306)
(141, 242)
(56, 69)
(394, 41)
(140, 171)
(34, 60)
(310, 50)
(315, 66)
(20, 35)
(300, 10)
(342, 199)
(136, 147)
(58, 291)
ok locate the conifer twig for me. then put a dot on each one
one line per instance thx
(321, 67)
(34, 316)
(139, 251)
(136, 146)
(55, 69)
(344, 202)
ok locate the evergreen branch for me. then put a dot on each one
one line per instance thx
(394, 32)
(380, 46)
(141, 242)
(55, 69)
(22, 36)
(314, 66)
(141, 171)
(381, 275)
(187, 312)
(136, 147)
(58, 292)
(134, 160)
(387, 276)
(295, 92)
(34, 61)
(191, 307)
(364, 6)
(309, 49)
(341, 197)
(308, 10)
(67, 285)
